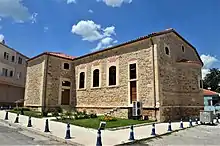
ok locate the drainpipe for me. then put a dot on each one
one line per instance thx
(45, 83)
(152, 45)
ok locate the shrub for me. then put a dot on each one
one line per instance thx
(107, 118)
(93, 115)
(21, 108)
(55, 114)
(69, 114)
(44, 113)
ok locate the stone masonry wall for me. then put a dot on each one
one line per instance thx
(119, 95)
(54, 77)
(34, 82)
(178, 82)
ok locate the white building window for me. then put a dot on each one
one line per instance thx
(19, 60)
(11, 73)
(6, 55)
(4, 72)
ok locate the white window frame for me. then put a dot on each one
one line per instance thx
(78, 80)
(64, 87)
(109, 64)
(129, 80)
(100, 75)
(69, 66)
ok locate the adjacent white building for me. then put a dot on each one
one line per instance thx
(12, 75)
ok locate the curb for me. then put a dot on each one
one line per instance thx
(128, 127)
(41, 133)
(152, 137)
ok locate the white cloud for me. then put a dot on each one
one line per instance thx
(0, 19)
(71, 1)
(34, 18)
(1, 37)
(46, 29)
(90, 11)
(208, 61)
(115, 3)
(108, 31)
(91, 31)
(14, 9)
(104, 43)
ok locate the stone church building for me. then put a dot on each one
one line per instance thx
(162, 70)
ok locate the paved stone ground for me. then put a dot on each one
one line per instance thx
(200, 135)
(15, 136)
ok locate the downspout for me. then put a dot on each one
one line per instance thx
(154, 86)
(45, 83)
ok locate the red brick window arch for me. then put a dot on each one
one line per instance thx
(112, 75)
(96, 78)
(82, 80)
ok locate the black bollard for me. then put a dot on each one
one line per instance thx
(169, 127)
(181, 124)
(6, 115)
(17, 119)
(153, 130)
(46, 126)
(190, 122)
(29, 122)
(68, 132)
(131, 137)
(217, 121)
(99, 138)
(22, 111)
(196, 121)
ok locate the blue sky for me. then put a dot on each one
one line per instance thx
(77, 27)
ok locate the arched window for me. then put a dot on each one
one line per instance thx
(112, 75)
(183, 48)
(167, 51)
(96, 78)
(82, 80)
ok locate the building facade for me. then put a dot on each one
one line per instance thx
(12, 75)
(162, 70)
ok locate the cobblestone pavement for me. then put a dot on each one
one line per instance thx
(15, 136)
(200, 135)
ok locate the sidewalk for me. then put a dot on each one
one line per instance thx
(86, 136)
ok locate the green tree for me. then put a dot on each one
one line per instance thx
(212, 79)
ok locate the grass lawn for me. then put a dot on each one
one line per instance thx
(94, 122)
(35, 114)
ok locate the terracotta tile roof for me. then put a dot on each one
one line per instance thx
(56, 54)
(209, 92)
(130, 42)
(59, 54)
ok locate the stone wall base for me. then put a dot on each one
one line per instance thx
(178, 113)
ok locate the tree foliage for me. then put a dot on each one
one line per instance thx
(212, 79)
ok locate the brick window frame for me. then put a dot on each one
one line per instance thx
(80, 70)
(94, 67)
(110, 64)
